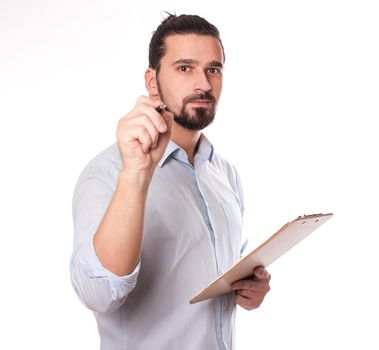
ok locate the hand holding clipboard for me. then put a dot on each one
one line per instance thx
(270, 250)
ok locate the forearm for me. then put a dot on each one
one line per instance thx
(118, 240)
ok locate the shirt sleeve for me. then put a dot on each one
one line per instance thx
(98, 288)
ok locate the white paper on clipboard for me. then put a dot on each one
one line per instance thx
(270, 250)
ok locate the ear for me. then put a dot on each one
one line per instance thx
(151, 82)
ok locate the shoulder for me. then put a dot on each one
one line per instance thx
(225, 166)
(230, 172)
(105, 166)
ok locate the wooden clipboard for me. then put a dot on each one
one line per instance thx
(270, 250)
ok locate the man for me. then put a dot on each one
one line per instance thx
(158, 215)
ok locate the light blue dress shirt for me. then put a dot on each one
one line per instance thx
(192, 234)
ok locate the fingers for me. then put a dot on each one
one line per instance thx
(168, 119)
(140, 133)
(147, 100)
(260, 273)
(153, 109)
(250, 292)
(144, 124)
(147, 110)
(249, 303)
(249, 284)
(148, 127)
(258, 283)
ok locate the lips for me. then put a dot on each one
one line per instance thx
(201, 102)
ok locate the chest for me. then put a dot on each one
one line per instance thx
(194, 214)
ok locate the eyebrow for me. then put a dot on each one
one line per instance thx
(193, 61)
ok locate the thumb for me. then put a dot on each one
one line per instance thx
(169, 119)
(165, 137)
(261, 273)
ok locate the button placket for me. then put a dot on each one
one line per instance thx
(214, 236)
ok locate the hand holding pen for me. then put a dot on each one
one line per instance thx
(143, 134)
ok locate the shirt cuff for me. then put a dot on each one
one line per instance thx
(120, 286)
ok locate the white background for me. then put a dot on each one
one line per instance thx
(297, 118)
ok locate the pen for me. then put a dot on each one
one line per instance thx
(161, 108)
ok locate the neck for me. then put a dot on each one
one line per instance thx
(186, 139)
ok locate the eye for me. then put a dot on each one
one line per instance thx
(214, 70)
(184, 68)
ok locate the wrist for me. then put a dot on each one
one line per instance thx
(134, 178)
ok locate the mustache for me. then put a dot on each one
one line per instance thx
(202, 96)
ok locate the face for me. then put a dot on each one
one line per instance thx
(190, 79)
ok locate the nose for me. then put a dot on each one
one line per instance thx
(202, 82)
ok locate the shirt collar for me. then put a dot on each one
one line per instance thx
(204, 150)
(172, 147)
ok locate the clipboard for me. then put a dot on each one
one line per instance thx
(270, 250)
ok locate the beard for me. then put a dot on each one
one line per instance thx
(200, 118)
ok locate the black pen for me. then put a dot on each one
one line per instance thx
(161, 108)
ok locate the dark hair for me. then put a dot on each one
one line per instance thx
(183, 24)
